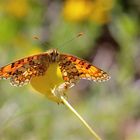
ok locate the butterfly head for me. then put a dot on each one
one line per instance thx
(54, 55)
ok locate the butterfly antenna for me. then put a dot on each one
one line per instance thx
(81, 119)
(44, 44)
(70, 40)
(36, 38)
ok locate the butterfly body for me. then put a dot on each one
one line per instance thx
(51, 72)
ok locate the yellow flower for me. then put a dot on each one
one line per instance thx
(76, 10)
(17, 8)
(81, 10)
(101, 11)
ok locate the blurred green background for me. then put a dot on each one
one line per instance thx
(111, 41)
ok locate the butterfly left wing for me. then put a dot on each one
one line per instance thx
(21, 71)
(74, 68)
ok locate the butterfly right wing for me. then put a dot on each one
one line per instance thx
(74, 68)
(21, 71)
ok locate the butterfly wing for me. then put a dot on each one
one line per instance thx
(74, 68)
(21, 71)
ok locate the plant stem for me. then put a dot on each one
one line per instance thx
(83, 121)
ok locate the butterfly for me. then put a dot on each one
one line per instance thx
(51, 72)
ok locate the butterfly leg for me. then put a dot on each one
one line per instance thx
(61, 90)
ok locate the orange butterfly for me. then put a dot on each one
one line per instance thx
(72, 69)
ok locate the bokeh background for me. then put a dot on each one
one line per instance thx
(111, 41)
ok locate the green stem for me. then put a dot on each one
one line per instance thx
(83, 121)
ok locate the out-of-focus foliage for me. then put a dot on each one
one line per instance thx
(111, 42)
